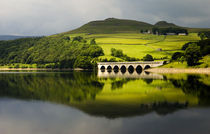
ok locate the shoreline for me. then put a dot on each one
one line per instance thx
(39, 69)
(151, 70)
(180, 70)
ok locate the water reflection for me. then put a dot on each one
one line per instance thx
(110, 94)
(128, 74)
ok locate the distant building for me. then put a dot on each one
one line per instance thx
(182, 34)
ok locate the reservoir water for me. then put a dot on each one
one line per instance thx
(104, 103)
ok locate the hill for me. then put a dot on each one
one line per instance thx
(112, 25)
(11, 37)
(164, 24)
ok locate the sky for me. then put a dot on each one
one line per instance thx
(46, 17)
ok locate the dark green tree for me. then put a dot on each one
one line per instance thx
(176, 55)
(83, 62)
(148, 57)
(93, 42)
(202, 36)
(193, 54)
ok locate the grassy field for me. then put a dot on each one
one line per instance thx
(138, 45)
(204, 63)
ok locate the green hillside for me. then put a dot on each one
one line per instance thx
(91, 43)
(112, 25)
(138, 45)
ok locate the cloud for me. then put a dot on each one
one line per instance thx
(44, 17)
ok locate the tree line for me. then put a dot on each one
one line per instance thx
(61, 50)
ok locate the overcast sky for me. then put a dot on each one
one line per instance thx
(45, 17)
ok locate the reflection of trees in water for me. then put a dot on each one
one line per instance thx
(56, 87)
(148, 81)
(195, 87)
(117, 84)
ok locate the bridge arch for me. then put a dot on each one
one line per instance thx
(116, 69)
(147, 67)
(130, 69)
(102, 68)
(123, 69)
(109, 67)
(139, 69)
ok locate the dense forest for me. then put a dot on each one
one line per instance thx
(61, 50)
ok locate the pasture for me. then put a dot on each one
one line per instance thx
(138, 45)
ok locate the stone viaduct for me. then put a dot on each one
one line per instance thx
(129, 65)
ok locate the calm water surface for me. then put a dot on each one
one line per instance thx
(103, 103)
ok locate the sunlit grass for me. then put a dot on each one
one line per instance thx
(138, 45)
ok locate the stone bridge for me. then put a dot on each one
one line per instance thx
(129, 65)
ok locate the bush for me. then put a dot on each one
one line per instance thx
(66, 38)
(192, 54)
(93, 42)
(93, 51)
(148, 57)
(119, 53)
(78, 38)
(83, 62)
(184, 47)
(116, 53)
(176, 56)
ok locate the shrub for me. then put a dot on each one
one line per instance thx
(93, 42)
(176, 56)
(78, 38)
(192, 54)
(148, 57)
(83, 62)
(116, 53)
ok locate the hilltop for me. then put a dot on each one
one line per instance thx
(165, 24)
(114, 25)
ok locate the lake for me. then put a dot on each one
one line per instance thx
(103, 103)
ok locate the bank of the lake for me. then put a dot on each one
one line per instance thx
(40, 69)
(180, 70)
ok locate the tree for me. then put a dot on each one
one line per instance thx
(93, 42)
(176, 55)
(83, 62)
(181, 59)
(67, 38)
(78, 38)
(148, 57)
(116, 52)
(202, 36)
(192, 54)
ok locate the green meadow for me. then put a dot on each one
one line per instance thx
(138, 45)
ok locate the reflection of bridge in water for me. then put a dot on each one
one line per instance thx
(127, 74)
